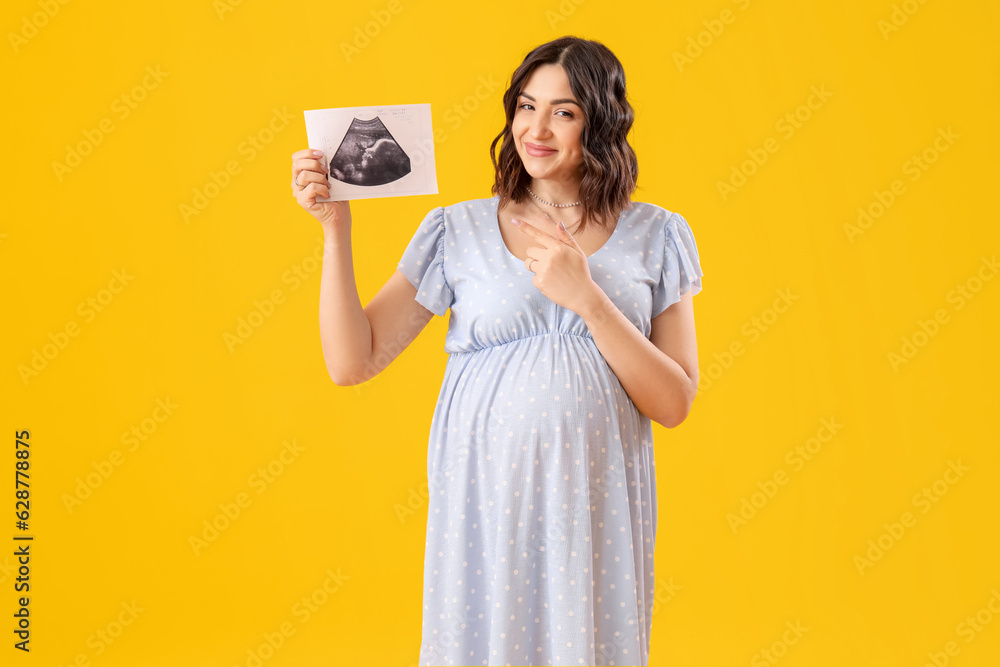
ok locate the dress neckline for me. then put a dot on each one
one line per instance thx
(495, 200)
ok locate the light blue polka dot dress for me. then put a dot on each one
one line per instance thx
(542, 511)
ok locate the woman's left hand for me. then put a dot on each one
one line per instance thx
(562, 272)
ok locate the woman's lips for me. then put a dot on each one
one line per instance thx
(538, 151)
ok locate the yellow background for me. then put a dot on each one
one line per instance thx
(725, 596)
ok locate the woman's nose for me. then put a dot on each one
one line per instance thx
(540, 128)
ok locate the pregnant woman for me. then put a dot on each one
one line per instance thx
(571, 330)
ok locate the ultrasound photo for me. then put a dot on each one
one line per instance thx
(376, 151)
(369, 155)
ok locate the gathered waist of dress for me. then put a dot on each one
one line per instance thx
(523, 338)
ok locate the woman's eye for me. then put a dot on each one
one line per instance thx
(566, 114)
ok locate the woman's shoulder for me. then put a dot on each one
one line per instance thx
(646, 207)
(482, 202)
(648, 213)
(661, 222)
(461, 210)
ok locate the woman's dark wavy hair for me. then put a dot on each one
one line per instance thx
(610, 167)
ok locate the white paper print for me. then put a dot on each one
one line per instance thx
(376, 151)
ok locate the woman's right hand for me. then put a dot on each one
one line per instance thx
(309, 171)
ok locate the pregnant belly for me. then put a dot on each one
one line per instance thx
(545, 409)
(545, 382)
(537, 447)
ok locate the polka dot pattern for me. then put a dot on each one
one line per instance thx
(542, 506)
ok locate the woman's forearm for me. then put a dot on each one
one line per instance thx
(345, 332)
(658, 386)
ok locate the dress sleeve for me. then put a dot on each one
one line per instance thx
(680, 269)
(423, 264)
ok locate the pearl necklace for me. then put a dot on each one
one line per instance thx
(546, 214)
(550, 203)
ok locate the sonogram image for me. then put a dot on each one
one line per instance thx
(369, 155)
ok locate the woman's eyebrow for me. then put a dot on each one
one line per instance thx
(564, 100)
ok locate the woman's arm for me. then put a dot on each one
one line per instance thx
(358, 343)
(660, 374)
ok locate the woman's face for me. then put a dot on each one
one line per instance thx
(548, 116)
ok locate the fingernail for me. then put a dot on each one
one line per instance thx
(562, 226)
(515, 221)
(317, 153)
